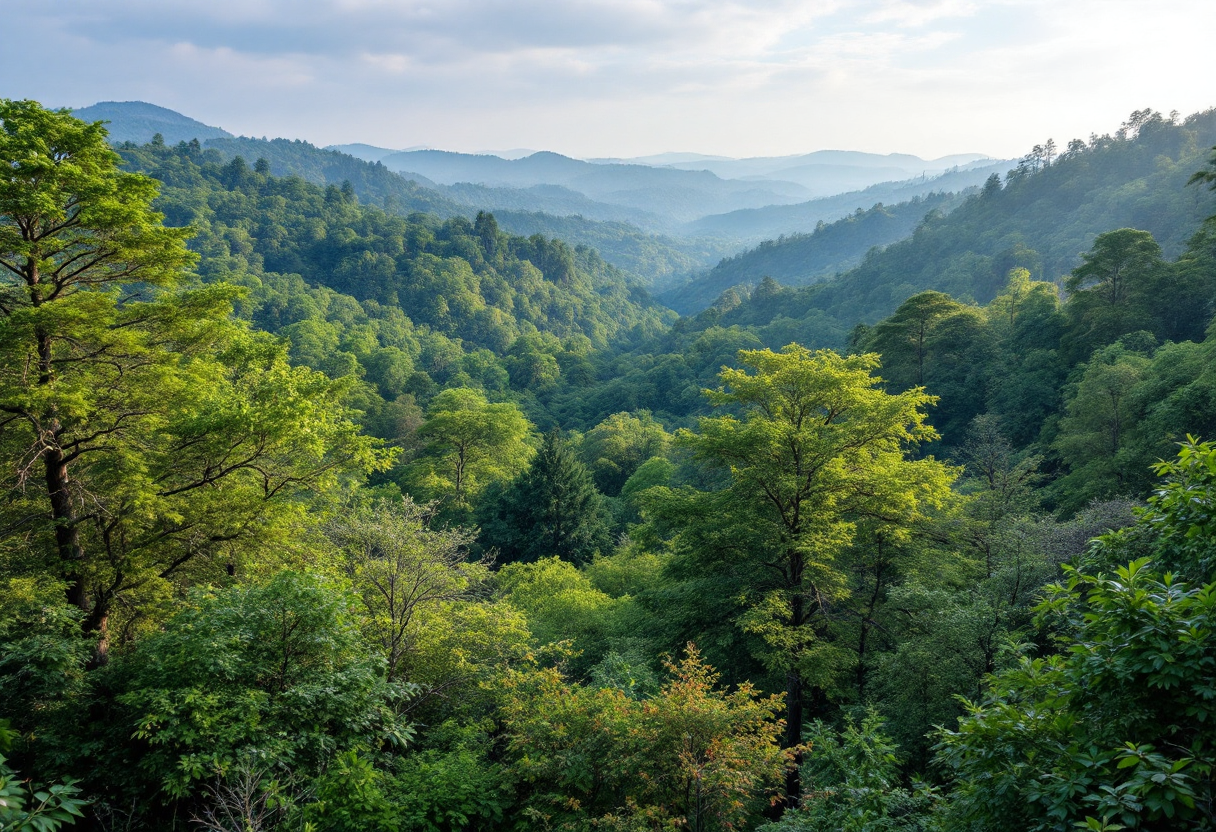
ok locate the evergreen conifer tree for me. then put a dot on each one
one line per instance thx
(552, 509)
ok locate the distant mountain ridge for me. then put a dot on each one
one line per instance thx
(755, 224)
(663, 218)
(139, 121)
(683, 195)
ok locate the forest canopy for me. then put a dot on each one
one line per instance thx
(321, 516)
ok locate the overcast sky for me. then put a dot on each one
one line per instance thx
(627, 77)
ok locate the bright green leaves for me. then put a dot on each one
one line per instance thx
(819, 445)
(69, 219)
(816, 450)
(277, 673)
(694, 756)
(1182, 512)
(145, 434)
(402, 568)
(854, 784)
(1118, 728)
(469, 444)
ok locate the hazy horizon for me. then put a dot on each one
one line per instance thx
(630, 78)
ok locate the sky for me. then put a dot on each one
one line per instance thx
(627, 77)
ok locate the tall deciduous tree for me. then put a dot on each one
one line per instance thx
(142, 430)
(817, 448)
(615, 448)
(469, 444)
(1101, 419)
(399, 566)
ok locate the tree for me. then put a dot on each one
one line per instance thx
(1207, 176)
(692, 757)
(854, 775)
(905, 339)
(816, 449)
(552, 509)
(561, 604)
(1109, 290)
(144, 433)
(276, 674)
(615, 448)
(71, 223)
(469, 443)
(399, 565)
(1115, 725)
(933, 341)
(1095, 433)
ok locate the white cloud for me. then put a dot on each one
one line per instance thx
(615, 77)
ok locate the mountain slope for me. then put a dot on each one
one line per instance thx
(374, 183)
(658, 261)
(802, 259)
(468, 282)
(756, 224)
(138, 121)
(1042, 219)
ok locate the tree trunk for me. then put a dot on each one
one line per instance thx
(794, 710)
(63, 515)
(793, 736)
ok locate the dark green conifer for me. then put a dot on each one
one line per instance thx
(552, 509)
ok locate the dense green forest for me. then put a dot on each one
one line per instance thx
(1041, 217)
(801, 259)
(322, 515)
(552, 211)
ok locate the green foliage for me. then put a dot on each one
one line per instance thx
(1093, 433)
(693, 756)
(552, 509)
(42, 652)
(26, 806)
(614, 449)
(450, 788)
(164, 462)
(853, 784)
(276, 673)
(560, 604)
(1116, 726)
(469, 443)
(164, 437)
(400, 566)
(350, 797)
(1179, 526)
(818, 449)
(1124, 285)
(935, 342)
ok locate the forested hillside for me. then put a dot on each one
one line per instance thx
(1041, 218)
(649, 258)
(801, 259)
(322, 517)
(138, 122)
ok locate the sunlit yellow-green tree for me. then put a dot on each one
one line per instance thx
(144, 433)
(812, 448)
